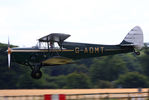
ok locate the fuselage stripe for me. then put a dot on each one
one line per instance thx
(40, 50)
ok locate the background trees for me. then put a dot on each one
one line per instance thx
(107, 68)
(132, 80)
(77, 80)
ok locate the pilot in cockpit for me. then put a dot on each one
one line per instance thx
(51, 44)
(54, 45)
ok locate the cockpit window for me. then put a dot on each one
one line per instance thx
(44, 45)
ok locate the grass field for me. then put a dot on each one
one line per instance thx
(19, 92)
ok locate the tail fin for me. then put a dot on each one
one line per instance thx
(134, 38)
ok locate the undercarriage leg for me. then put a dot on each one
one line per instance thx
(36, 73)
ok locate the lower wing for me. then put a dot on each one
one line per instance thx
(58, 60)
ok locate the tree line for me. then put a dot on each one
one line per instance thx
(117, 71)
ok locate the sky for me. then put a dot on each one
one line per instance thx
(87, 21)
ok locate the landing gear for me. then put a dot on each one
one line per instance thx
(136, 52)
(36, 73)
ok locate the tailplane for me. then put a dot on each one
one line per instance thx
(134, 38)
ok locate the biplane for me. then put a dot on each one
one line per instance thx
(53, 50)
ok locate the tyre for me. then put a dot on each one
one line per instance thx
(36, 74)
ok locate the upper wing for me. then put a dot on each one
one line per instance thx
(54, 37)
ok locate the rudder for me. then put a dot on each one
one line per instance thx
(134, 38)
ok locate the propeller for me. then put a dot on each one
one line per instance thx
(9, 54)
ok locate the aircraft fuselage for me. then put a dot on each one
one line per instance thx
(70, 51)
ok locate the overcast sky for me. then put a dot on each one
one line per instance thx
(89, 21)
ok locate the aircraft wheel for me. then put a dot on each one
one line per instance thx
(137, 53)
(36, 74)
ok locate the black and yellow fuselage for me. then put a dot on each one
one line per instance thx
(67, 54)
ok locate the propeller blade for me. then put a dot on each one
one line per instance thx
(9, 61)
(9, 54)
